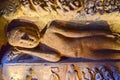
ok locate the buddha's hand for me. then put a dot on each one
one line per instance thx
(13, 54)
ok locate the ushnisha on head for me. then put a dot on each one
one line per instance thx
(22, 33)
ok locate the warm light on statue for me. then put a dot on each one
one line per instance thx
(59, 40)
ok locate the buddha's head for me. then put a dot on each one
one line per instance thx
(23, 34)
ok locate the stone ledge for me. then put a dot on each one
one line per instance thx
(59, 71)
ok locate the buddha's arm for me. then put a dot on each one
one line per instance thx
(45, 55)
(69, 30)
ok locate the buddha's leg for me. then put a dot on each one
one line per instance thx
(100, 47)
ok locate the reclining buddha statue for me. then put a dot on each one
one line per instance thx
(62, 38)
(59, 40)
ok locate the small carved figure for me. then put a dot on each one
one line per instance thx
(90, 8)
(54, 75)
(118, 5)
(9, 6)
(106, 73)
(35, 2)
(30, 76)
(72, 40)
(12, 78)
(113, 5)
(110, 6)
(25, 2)
(116, 73)
(99, 7)
(97, 74)
(106, 5)
(83, 76)
(72, 74)
(101, 73)
(87, 74)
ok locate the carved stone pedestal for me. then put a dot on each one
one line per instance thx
(62, 71)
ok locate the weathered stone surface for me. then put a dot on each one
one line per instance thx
(62, 71)
(72, 40)
(1, 72)
(41, 12)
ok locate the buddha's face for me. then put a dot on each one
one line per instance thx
(27, 37)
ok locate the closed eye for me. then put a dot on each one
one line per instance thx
(25, 37)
